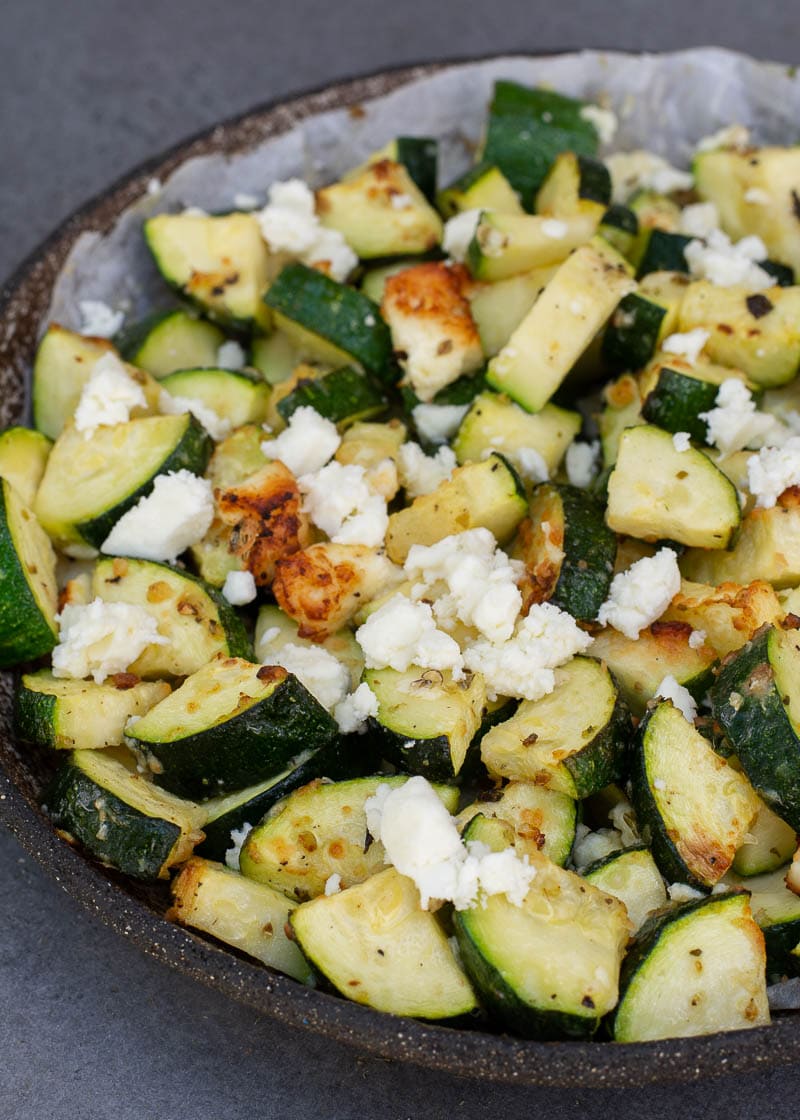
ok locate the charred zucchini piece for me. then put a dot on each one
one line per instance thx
(540, 819)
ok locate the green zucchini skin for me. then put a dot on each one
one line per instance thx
(170, 340)
(606, 759)
(664, 253)
(590, 548)
(34, 717)
(25, 630)
(343, 396)
(758, 726)
(782, 273)
(631, 336)
(675, 402)
(419, 155)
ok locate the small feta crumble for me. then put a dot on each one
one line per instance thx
(467, 577)
(640, 170)
(333, 884)
(176, 513)
(401, 633)
(98, 319)
(194, 212)
(581, 462)
(401, 201)
(524, 665)
(682, 699)
(687, 345)
(238, 837)
(325, 677)
(531, 464)
(98, 639)
(641, 594)
(682, 892)
(108, 396)
(436, 423)
(727, 264)
(218, 427)
(239, 588)
(604, 121)
(734, 421)
(459, 232)
(154, 186)
(421, 841)
(758, 197)
(697, 639)
(623, 819)
(289, 222)
(244, 201)
(230, 355)
(353, 712)
(773, 470)
(420, 473)
(700, 219)
(591, 846)
(306, 444)
(659, 783)
(554, 228)
(339, 501)
(681, 441)
(731, 136)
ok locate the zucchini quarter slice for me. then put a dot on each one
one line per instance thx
(376, 946)
(62, 366)
(541, 819)
(632, 877)
(28, 593)
(776, 909)
(23, 457)
(695, 969)
(767, 547)
(236, 397)
(495, 423)
(229, 725)
(170, 340)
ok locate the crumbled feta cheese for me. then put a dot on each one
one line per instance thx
(266, 640)
(623, 818)
(467, 577)
(700, 219)
(306, 444)
(401, 633)
(681, 441)
(727, 264)
(581, 462)
(353, 712)
(244, 201)
(230, 355)
(422, 841)
(523, 666)
(590, 846)
(325, 677)
(757, 197)
(682, 892)
(98, 639)
(735, 422)
(697, 639)
(238, 837)
(687, 345)
(436, 423)
(289, 222)
(659, 783)
(420, 473)
(641, 594)
(553, 228)
(402, 201)
(773, 470)
(531, 464)
(640, 171)
(604, 120)
(98, 319)
(333, 884)
(108, 396)
(339, 501)
(669, 689)
(176, 513)
(218, 427)
(239, 588)
(459, 232)
(194, 212)
(731, 136)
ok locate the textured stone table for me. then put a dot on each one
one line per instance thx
(89, 1027)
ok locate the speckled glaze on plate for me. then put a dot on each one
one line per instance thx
(136, 910)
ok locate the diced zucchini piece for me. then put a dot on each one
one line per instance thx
(693, 805)
(499, 308)
(229, 725)
(574, 740)
(170, 340)
(495, 423)
(661, 251)
(63, 364)
(249, 916)
(540, 819)
(481, 188)
(729, 615)
(655, 211)
(377, 947)
(695, 969)
(549, 968)
(82, 715)
(426, 721)
(419, 155)
(776, 908)
(560, 325)
(221, 263)
(657, 492)
(235, 397)
(275, 356)
(575, 184)
(197, 620)
(632, 333)
(676, 401)
(767, 547)
(121, 818)
(769, 845)
(619, 226)
(23, 458)
(318, 831)
(344, 396)
(380, 212)
(631, 876)
(28, 592)
(506, 244)
(89, 484)
(487, 494)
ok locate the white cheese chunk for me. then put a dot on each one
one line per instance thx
(306, 444)
(339, 500)
(731, 136)
(687, 345)
(325, 677)
(554, 228)
(436, 423)
(289, 223)
(681, 441)
(216, 426)
(669, 689)
(640, 595)
(699, 219)
(108, 396)
(697, 639)
(727, 264)
(98, 639)
(176, 514)
(590, 846)
(530, 463)
(420, 473)
(756, 196)
(230, 355)
(333, 884)
(239, 588)
(98, 319)
(682, 892)
(245, 201)
(582, 462)
(238, 837)
(773, 470)
(604, 120)
(459, 232)
(353, 712)
(644, 171)
(734, 422)
(401, 633)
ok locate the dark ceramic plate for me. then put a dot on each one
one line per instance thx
(136, 911)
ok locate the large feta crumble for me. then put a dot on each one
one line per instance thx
(325, 677)
(727, 264)
(420, 473)
(643, 171)
(641, 594)
(604, 121)
(401, 633)
(108, 396)
(773, 470)
(459, 232)
(687, 345)
(436, 423)
(98, 320)
(339, 501)
(230, 355)
(98, 639)
(681, 697)
(238, 837)
(353, 712)
(306, 444)
(289, 223)
(681, 441)
(734, 422)
(218, 427)
(530, 463)
(239, 588)
(421, 841)
(590, 846)
(176, 513)
(582, 462)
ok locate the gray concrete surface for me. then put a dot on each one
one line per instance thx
(90, 1028)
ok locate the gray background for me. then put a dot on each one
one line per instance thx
(90, 1028)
